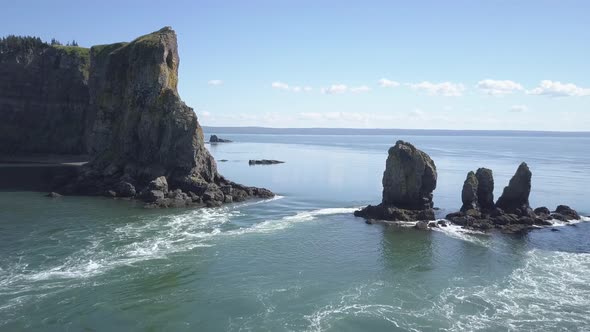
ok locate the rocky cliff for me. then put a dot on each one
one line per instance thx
(44, 99)
(143, 141)
(408, 182)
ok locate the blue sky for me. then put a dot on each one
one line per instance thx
(368, 64)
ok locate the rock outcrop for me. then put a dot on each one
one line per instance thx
(408, 182)
(512, 212)
(137, 131)
(264, 162)
(485, 189)
(215, 139)
(515, 197)
(469, 193)
(44, 100)
(409, 178)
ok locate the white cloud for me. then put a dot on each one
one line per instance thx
(498, 87)
(280, 85)
(385, 83)
(284, 86)
(215, 82)
(558, 89)
(335, 89)
(358, 89)
(519, 108)
(342, 88)
(447, 89)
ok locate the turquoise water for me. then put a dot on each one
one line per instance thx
(302, 262)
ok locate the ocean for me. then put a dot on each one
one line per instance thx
(301, 261)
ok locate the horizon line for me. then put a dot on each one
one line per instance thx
(400, 129)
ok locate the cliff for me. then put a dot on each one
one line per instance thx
(44, 97)
(143, 141)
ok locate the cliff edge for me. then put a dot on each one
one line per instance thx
(143, 141)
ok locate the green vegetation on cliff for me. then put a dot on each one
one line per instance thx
(21, 44)
(81, 54)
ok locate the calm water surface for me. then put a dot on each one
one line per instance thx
(302, 262)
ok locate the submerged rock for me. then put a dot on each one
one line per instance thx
(264, 162)
(408, 182)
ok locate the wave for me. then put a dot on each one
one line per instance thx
(551, 291)
(288, 221)
(150, 239)
(460, 233)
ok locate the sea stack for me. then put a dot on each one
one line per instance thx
(512, 212)
(515, 197)
(408, 182)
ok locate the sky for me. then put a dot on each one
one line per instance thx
(513, 65)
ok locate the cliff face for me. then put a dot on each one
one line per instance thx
(144, 141)
(119, 103)
(44, 100)
(142, 128)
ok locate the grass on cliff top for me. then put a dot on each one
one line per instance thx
(152, 39)
(103, 50)
(81, 52)
(149, 40)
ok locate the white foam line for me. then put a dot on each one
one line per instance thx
(154, 240)
(262, 201)
(285, 222)
(460, 233)
(559, 223)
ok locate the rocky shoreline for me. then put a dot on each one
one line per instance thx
(410, 179)
(142, 140)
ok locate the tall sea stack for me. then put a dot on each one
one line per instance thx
(408, 182)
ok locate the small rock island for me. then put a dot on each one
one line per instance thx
(216, 139)
(118, 104)
(264, 162)
(410, 179)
